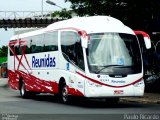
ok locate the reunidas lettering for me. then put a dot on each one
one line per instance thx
(117, 81)
(47, 61)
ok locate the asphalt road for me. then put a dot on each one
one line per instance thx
(13, 107)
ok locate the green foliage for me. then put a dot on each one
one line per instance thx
(62, 14)
(3, 51)
(3, 59)
(138, 14)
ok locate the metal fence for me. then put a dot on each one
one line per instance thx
(25, 14)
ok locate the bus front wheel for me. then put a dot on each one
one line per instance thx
(64, 93)
(23, 91)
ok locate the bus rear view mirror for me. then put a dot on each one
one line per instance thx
(146, 38)
(147, 42)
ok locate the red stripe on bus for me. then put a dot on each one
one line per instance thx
(98, 82)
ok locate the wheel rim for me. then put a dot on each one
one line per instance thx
(64, 94)
(22, 90)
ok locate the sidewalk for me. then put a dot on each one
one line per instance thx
(152, 98)
(3, 82)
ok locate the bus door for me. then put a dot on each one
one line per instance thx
(73, 53)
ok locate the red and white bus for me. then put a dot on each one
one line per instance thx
(92, 57)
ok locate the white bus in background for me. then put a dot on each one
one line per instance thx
(92, 57)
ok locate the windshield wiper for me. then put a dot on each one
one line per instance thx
(106, 66)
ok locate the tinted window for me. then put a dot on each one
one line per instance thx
(71, 48)
(37, 44)
(12, 47)
(51, 41)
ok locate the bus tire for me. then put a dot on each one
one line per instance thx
(64, 94)
(23, 92)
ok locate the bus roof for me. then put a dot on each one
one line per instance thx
(92, 24)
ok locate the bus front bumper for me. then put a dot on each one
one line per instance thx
(100, 91)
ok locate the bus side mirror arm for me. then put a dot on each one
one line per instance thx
(84, 37)
(146, 38)
(84, 42)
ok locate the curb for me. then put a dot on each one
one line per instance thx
(141, 100)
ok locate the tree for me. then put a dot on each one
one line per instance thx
(4, 51)
(138, 14)
(64, 14)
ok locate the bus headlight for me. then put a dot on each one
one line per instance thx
(140, 83)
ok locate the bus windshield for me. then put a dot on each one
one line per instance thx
(114, 53)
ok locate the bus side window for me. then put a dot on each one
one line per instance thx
(37, 43)
(33, 50)
(68, 41)
(12, 47)
(79, 54)
(71, 48)
(51, 41)
(27, 50)
(18, 50)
